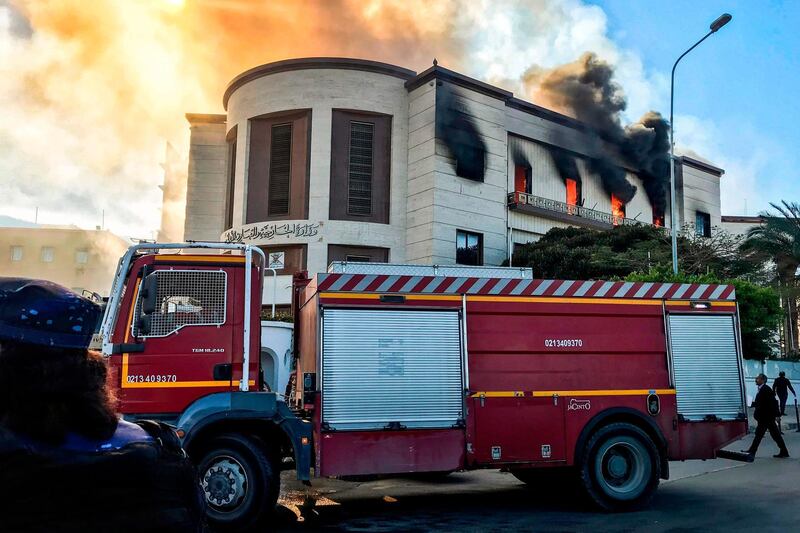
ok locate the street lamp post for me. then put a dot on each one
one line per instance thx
(715, 26)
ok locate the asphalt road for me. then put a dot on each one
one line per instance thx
(717, 495)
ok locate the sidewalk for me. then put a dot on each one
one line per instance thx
(788, 422)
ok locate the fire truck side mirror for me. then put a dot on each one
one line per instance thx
(149, 294)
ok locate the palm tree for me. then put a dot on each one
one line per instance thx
(777, 239)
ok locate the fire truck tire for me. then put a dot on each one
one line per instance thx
(620, 467)
(240, 481)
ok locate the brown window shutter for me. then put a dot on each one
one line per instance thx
(277, 173)
(359, 188)
(360, 166)
(280, 169)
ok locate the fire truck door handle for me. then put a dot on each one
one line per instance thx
(483, 400)
(555, 399)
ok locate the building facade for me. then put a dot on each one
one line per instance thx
(326, 159)
(75, 258)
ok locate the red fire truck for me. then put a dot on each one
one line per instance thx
(409, 369)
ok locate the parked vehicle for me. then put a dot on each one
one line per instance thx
(411, 369)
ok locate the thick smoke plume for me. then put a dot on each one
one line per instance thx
(586, 89)
(91, 92)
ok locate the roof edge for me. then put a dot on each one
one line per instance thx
(702, 165)
(310, 63)
(437, 72)
(206, 118)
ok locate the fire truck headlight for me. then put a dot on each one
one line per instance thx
(653, 404)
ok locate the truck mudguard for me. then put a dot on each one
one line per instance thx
(250, 406)
(621, 414)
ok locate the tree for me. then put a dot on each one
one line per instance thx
(579, 253)
(777, 241)
(759, 308)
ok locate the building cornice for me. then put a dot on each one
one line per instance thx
(206, 118)
(701, 165)
(742, 219)
(441, 73)
(310, 63)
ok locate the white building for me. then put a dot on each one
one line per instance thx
(325, 159)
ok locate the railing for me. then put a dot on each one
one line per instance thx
(569, 209)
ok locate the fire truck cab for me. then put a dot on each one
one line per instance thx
(409, 369)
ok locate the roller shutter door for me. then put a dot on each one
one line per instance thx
(705, 362)
(381, 368)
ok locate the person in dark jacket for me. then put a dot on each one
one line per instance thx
(782, 386)
(67, 461)
(766, 411)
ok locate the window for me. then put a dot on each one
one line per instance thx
(359, 194)
(81, 257)
(360, 166)
(277, 173)
(231, 181)
(280, 167)
(183, 298)
(16, 253)
(48, 254)
(573, 192)
(358, 259)
(617, 210)
(363, 254)
(469, 248)
(522, 179)
(702, 224)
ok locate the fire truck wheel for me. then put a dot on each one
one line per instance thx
(240, 482)
(620, 467)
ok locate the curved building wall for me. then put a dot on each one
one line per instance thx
(321, 91)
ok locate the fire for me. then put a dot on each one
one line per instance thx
(617, 210)
(658, 220)
(572, 192)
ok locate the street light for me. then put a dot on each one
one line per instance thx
(714, 28)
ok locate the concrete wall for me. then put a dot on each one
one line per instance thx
(323, 90)
(469, 205)
(700, 191)
(103, 250)
(206, 184)
(421, 174)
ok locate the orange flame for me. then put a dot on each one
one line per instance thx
(617, 210)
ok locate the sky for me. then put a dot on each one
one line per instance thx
(734, 94)
(92, 92)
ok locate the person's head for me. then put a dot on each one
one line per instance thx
(761, 379)
(782, 374)
(50, 384)
(47, 392)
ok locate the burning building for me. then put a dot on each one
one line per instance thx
(326, 159)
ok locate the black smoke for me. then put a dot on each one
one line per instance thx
(457, 129)
(587, 89)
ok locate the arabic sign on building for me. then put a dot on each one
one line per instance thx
(268, 232)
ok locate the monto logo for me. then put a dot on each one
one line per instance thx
(579, 405)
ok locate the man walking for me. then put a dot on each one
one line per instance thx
(766, 411)
(782, 386)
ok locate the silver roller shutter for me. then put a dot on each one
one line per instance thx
(381, 367)
(705, 362)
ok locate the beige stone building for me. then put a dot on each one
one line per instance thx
(76, 258)
(325, 159)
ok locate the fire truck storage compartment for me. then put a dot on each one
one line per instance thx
(706, 366)
(391, 369)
